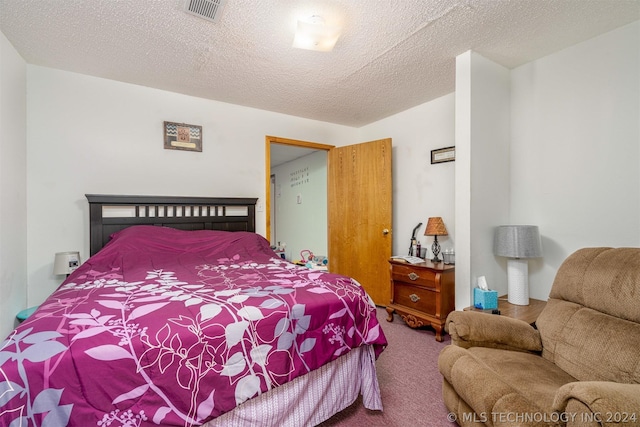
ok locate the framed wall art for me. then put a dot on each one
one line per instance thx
(441, 155)
(181, 136)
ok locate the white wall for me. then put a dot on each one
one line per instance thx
(570, 162)
(463, 114)
(91, 135)
(575, 149)
(482, 141)
(300, 199)
(13, 189)
(420, 189)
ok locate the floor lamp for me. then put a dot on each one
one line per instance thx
(518, 243)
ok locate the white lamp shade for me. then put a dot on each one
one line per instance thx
(66, 262)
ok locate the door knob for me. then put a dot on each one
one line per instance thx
(385, 231)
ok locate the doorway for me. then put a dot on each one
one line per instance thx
(359, 195)
(296, 195)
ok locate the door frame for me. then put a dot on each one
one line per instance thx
(282, 141)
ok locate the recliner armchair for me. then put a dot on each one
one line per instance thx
(580, 367)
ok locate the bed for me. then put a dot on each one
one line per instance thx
(184, 316)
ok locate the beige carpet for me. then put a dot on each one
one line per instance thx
(409, 381)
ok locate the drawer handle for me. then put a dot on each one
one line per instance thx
(413, 276)
(414, 297)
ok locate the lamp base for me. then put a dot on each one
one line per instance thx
(435, 248)
(518, 281)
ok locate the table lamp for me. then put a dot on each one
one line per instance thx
(517, 242)
(435, 228)
(66, 262)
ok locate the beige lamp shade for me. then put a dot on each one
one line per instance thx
(66, 262)
(435, 227)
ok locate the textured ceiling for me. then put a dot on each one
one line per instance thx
(392, 55)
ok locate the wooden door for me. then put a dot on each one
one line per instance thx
(360, 212)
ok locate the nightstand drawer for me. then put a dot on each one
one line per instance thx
(415, 297)
(415, 276)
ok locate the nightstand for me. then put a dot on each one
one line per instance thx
(528, 313)
(423, 294)
(24, 314)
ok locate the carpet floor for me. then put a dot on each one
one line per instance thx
(410, 383)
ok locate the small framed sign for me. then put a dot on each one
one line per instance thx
(181, 136)
(441, 155)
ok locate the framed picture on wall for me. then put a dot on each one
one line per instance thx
(181, 136)
(441, 155)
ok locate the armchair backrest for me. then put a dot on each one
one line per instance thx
(590, 327)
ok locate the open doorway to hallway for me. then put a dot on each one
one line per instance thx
(297, 197)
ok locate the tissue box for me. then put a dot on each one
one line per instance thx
(485, 300)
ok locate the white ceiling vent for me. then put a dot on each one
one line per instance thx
(208, 9)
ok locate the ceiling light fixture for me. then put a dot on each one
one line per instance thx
(314, 34)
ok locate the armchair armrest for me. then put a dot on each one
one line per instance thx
(607, 403)
(474, 329)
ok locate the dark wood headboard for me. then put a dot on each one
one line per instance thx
(109, 214)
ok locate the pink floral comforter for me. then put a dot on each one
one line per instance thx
(173, 328)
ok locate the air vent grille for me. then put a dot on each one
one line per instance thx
(208, 9)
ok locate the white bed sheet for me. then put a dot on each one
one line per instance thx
(312, 398)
